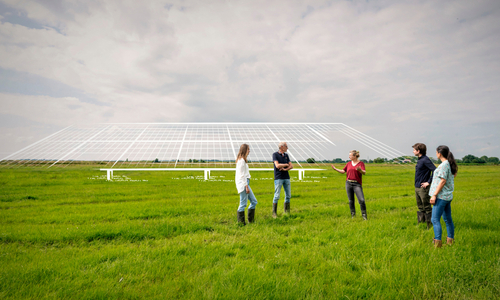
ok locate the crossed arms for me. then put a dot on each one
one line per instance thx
(283, 167)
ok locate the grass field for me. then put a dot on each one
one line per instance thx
(69, 233)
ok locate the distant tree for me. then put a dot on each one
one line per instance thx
(378, 160)
(156, 160)
(478, 160)
(190, 160)
(468, 159)
(494, 160)
(338, 161)
(485, 158)
(365, 161)
(311, 160)
(202, 161)
(370, 161)
(195, 160)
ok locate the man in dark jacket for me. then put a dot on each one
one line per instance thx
(423, 179)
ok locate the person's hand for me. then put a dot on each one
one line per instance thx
(359, 169)
(247, 189)
(433, 200)
(424, 184)
(333, 167)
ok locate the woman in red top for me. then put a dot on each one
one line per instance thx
(354, 169)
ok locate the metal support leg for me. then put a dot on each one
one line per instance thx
(108, 174)
(300, 174)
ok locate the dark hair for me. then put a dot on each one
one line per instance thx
(420, 147)
(243, 152)
(445, 152)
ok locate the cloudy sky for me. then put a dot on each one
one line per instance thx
(399, 71)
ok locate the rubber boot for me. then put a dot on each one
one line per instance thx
(428, 219)
(275, 210)
(438, 243)
(251, 215)
(363, 213)
(353, 213)
(287, 207)
(420, 216)
(449, 241)
(241, 217)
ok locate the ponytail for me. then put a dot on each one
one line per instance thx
(453, 163)
(445, 151)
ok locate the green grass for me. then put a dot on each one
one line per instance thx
(67, 233)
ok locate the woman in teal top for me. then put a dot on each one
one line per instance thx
(441, 193)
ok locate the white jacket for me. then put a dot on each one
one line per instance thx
(242, 174)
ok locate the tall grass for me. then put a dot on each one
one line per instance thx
(66, 233)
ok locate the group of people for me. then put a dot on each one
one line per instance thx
(433, 186)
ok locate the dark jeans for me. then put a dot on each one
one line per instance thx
(423, 199)
(355, 187)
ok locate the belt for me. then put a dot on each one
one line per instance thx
(351, 180)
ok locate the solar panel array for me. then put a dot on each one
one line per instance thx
(177, 144)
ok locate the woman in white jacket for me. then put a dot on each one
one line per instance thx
(243, 185)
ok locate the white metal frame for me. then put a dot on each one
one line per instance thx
(206, 171)
(174, 143)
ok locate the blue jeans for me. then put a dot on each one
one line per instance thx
(442, 208)
(244, 197)
(278, 183)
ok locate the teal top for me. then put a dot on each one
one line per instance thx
(444, 172)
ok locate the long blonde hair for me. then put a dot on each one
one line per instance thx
(243, 153)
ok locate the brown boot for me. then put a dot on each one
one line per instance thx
(251, 215)
(275, 210)
(437, 243)
(449, 241)
(287, 207)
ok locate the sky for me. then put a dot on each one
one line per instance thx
(401, 72)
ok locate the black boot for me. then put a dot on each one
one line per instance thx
(287, 207)
(275, 210)
(363, 213)
(251, 215)
(241, 217)
(353, 213)
(420, 216)
(428, 219)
